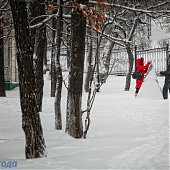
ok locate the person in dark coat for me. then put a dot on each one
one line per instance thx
(140, 67)
(166, 86)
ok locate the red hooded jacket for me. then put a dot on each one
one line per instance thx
(140, 67)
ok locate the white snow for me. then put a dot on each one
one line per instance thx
(125, 132)
(150, 88)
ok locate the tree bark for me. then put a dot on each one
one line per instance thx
(2, 77)
(45, 52)
(106, 62)
(89, 67)
(78, 28)
(67, 110)
(39, 42)
(58, 117)
(38, 67)
(130, 55)
(131, 60)
(31, 123)
(53, 55)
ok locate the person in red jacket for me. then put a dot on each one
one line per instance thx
(140, 67)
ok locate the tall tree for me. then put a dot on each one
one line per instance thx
(78, 30)
(38, 36)
(58, 120)
(38, 65)
(53, 56)
(89, 65)
(31, 123)
(2, 78)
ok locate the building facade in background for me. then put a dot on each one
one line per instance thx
(10, 62)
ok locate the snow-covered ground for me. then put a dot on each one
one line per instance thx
(125, 132)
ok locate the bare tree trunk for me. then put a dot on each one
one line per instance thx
(89, 67)
(38, 37)
(68, 47)
(131, 60)
(53, 64)
(106, 62)
(58, 117)
(78, 28)
(45, 53)
(68, 66)
(67, 111)
(130, 54)
(39, 81)
(31, 123)
(2, 78)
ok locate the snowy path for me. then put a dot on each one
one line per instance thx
(125, 133)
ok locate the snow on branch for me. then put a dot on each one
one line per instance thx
(42, 22)
(50, 27)
(158, 5)
(148, 12)
(48, 17)
(113, 39)
(38, 17)
(3, 8)
(133, 28)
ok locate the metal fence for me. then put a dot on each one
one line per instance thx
(158, 57)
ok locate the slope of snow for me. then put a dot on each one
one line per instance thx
(150, 88)
(125, 132)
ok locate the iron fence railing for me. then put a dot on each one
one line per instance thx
(158, 57)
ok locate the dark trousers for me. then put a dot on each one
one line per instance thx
(137, 90)
(165, 90)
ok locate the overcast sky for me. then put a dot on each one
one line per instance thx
(158, 33)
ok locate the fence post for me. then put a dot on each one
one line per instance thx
(135, 56)
(167, 55)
